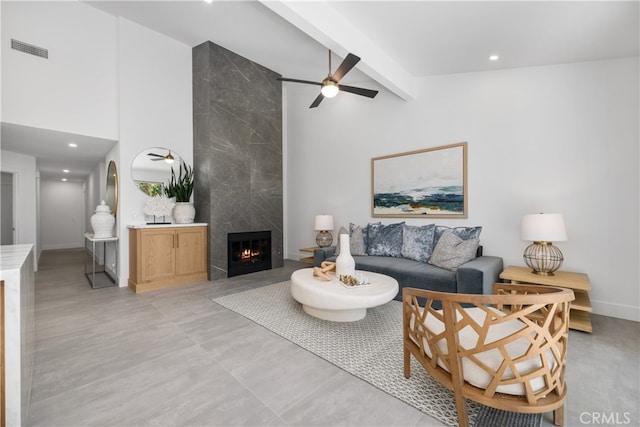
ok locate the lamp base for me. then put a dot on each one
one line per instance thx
(543, 258)
(324, 239)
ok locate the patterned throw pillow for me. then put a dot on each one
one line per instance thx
(417, 242)
(385, 240)
(356, 241)
(451, 251)
(341, 231)
(465, 233)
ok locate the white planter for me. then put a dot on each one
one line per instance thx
(183, 213)
(345, 264)
(102, 221)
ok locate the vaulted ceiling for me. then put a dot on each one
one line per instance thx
(399, 41)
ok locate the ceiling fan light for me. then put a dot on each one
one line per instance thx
(169, 158)
(329, 89)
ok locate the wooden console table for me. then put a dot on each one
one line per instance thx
(579, 317)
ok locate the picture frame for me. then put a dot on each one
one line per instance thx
(431, 182)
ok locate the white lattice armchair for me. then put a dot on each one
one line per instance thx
(507, 350)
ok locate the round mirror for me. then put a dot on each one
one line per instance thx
(151, 169)
(111, 196)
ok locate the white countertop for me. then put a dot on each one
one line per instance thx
(195, 224)
(13, 256)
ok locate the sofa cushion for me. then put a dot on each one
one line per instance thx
(385, 240)
(341, 231)
(465, 233)
(417, 242)
(451, 251)
(356, 244)
(409, 273)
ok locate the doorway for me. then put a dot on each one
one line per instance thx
(7, 217)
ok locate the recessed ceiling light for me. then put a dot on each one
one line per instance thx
(65, 170)
(494, 57)
(64, 179)
(73, 145)
(208, 1)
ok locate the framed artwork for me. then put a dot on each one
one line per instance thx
(422, 183)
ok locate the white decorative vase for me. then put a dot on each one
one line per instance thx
(183, 213)
(102, 221)
(345, 264)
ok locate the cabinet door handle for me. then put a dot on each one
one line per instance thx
(177, 240)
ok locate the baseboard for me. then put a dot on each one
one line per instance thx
(619, 311)
(62, 246)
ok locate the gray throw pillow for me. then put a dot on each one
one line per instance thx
(356, 241)
(465, 233)
(341, 231)
(385, 240)
(417, 242)
(451, 251)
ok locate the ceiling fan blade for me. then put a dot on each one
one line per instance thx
(284, 79)
(359, 91)
(155, 155)
(317, 101)
(349, 62)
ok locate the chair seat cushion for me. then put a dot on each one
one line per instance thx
(479, 372)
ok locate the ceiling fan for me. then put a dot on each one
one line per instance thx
(330, 85)
(168, 158)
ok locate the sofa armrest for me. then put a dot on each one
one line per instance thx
(322, 254)
(478, 275)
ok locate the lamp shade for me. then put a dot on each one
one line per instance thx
(324, 223)
(543, 228)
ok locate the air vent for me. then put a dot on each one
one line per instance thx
(29, 48)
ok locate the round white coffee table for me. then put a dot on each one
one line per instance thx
(331, 300)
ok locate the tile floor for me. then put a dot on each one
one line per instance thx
(109, 357)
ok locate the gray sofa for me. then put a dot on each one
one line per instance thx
(476, 276)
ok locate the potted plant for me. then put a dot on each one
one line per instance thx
(181, 187)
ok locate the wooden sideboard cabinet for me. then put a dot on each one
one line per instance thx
(167, 256)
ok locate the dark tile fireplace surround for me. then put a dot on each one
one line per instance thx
(237, 152)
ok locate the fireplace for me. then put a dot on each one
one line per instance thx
(248, 252)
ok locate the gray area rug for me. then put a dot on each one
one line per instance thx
(371, 349)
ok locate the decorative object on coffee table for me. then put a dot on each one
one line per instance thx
(322, 272)
(324, 224)
(345, 264)
(542, 229)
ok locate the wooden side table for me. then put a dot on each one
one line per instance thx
(579, 317)
(308, 259)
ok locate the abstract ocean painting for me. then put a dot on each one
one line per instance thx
(430, 182)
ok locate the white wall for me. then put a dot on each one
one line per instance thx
(74, 90)
(62, 216)
(155, 111)
(24, 169)
(559, 138)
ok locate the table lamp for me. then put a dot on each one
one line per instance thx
(542, 229)
(323, 224)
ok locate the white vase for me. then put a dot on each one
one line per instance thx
(102, 221)
(345, 264)
(183, 213)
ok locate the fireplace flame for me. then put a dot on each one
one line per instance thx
(248, 254)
